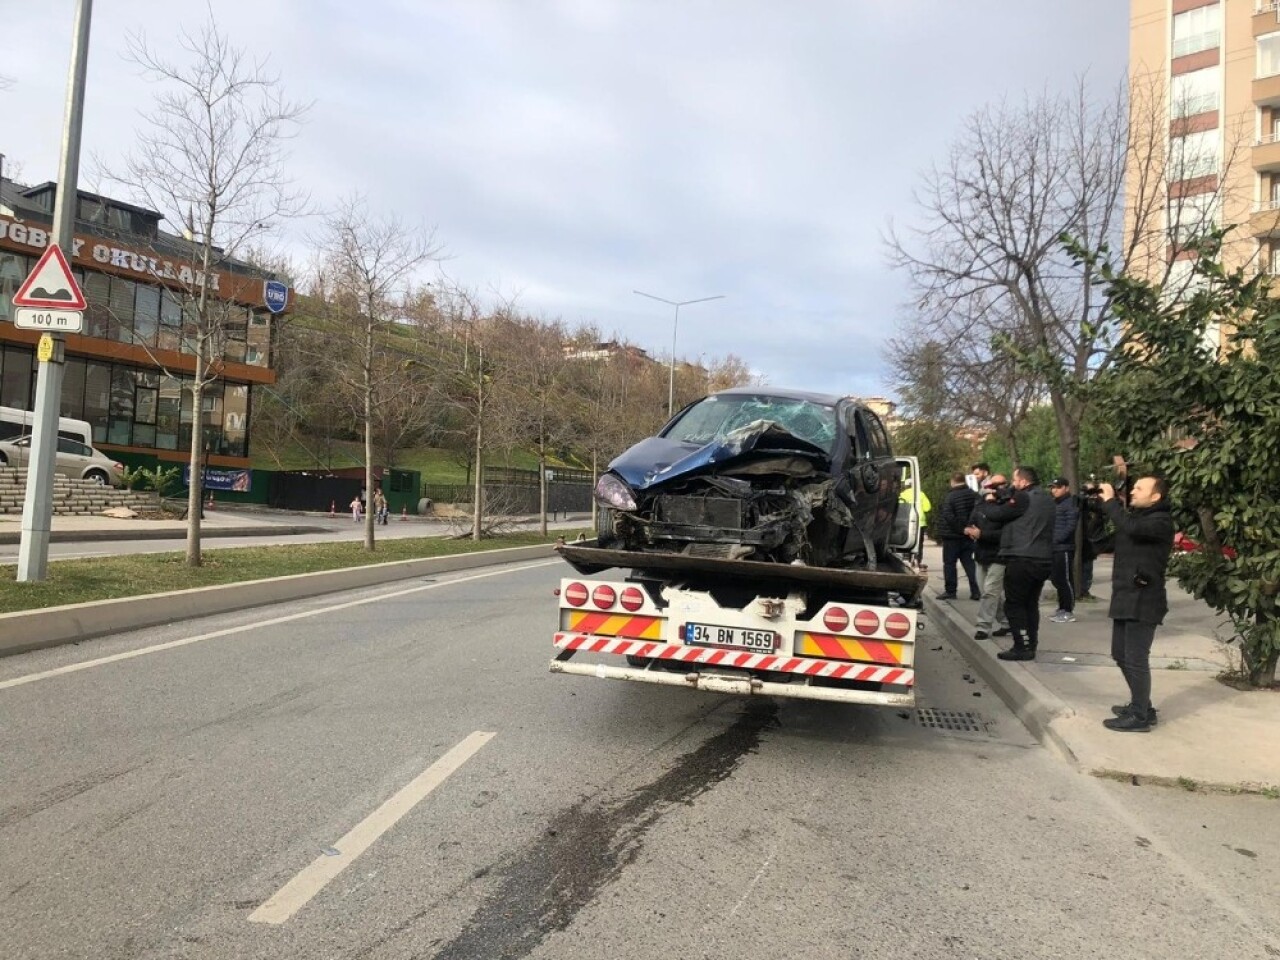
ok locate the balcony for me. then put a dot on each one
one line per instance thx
(1265, 221)
(1266, 19)
(1266, 155)
(1266, 91)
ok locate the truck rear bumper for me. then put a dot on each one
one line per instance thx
(738, 684)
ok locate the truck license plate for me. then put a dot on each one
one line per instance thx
(707, 635)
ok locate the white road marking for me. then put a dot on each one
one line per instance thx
(186, 641)
(295, 894)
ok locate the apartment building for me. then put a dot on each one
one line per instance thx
(128, 371)
(1213, 67)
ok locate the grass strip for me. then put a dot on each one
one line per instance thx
(135, 575)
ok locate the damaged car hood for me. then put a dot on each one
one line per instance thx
(658, 460)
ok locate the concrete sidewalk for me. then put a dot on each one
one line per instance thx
(1209, 733)
(217, 523)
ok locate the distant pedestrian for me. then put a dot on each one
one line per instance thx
(985, 534)
(957, 547)
(379, 507)
(1139, 601)
(356, 509)
(1066, 517)
(979, 476)
(1026, 548)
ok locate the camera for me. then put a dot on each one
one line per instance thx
(1000, 493)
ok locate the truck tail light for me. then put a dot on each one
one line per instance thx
(897, 625)
(632, 599)
(836, 619)
(575, 594)
(604, 597)
(866, 622)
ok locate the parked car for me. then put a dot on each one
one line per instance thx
(74, 460)
(760, 473)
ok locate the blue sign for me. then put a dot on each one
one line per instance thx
(241, 481)
(276, 295)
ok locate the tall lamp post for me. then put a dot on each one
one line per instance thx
(671, 373)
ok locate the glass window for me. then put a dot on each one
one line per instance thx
(168, 412)
(184, 415)
(714, 418)
(123, 294)
(1269, 55)
(97, 398)
(1196, 30)
(120, 428)
(16, 377)
(879, 438)
(73, 389)
(146, 314)
(1195, 92)
(13, 270)
(235, 420)
(258, 350)
(97, 290)
(1195, 155)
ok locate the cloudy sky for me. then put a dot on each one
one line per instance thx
(572, 151)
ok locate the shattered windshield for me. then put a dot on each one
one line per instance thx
(715, 417)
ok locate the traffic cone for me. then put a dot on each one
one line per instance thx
(333, 508)
(404, 512)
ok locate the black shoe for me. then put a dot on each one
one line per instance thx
(946, 596)
(1127, 724)
(981, 635)
(975, 596)
(1124, 709)
(1018, 653)
(1000, 632)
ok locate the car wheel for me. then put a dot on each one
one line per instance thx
(4, 461)
(96, 476)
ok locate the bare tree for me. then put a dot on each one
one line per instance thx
(210, 156)
(367, 273)
(988, 263)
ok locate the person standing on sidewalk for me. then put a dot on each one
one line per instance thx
(985, 534)
(1139, 601)
(1066, 516)
(1026, 549)
(957, 547)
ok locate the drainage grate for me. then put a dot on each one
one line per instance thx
(953, 721)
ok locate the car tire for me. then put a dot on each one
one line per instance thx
(98, 477)
(4, 461)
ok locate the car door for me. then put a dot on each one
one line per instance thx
(72, 459)
(907, 536)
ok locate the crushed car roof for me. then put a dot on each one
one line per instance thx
(782, 393)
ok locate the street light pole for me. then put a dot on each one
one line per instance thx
(671, 372)
(37, 502)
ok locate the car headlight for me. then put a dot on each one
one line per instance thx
(612, 492)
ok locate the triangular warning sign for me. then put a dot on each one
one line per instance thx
(50, 285)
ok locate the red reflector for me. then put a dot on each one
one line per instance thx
(632, 599)
(866, 622)
(897, 625)
(575, 594)
(604, 597)
(835, 619)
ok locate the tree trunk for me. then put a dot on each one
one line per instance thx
(477, 508)
(542, 490)
(595, 507)
(1262, 670)
(369, 513)
(196, 489)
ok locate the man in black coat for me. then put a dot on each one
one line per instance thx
(985, 534)
(1139, 601)
(1026, 549)
(1065, 519)
(956, 545)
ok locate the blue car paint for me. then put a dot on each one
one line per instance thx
(657, 460)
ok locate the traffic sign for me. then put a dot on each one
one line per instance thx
(44, 350)
(50, 285)
(63, 321)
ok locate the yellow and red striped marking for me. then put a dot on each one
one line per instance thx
(808, 666)
(847, 648)
(616, 625)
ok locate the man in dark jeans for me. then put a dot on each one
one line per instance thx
(1026, 549)
(956, 544)
(1066, 516)
(1144, 540)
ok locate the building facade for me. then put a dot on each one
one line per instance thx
(1213, 68)
(126, 373)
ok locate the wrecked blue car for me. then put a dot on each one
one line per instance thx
(765, 474)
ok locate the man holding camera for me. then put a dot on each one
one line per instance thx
(1026, 549)
(985, 535)
(1139, 602)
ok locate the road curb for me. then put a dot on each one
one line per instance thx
(1034, 704)
(27, 630)
(9, 538)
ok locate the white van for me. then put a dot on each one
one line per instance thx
(15, 423)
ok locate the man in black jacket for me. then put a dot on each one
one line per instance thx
(1139, 602)
(1066, 516)
(956, 545)
(1026, 549)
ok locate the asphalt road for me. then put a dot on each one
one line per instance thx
(197, 800)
